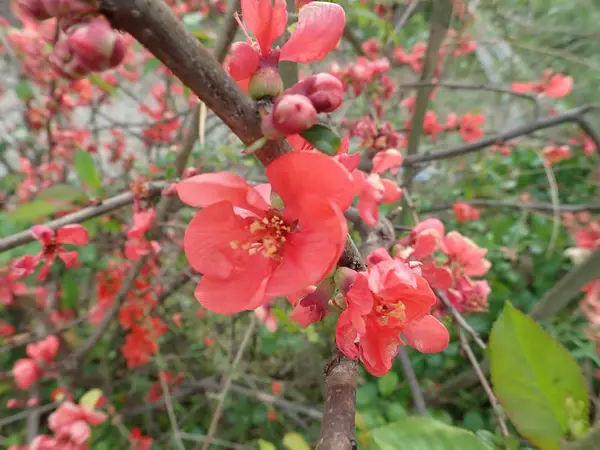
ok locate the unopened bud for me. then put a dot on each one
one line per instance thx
(266, 82)
(344, 279)
(293, 114)
(326, 92)
(45, 9)
(189, 172)
(66, 63)
(97, 44)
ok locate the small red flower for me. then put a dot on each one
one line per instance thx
(552, 85)
(464, 212)
(470, 126)
(53, 245)
(554, 153)
(374, 190)
(386, 301)
(250, 252)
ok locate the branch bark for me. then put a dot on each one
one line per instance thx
(574, 115)
(90, 212)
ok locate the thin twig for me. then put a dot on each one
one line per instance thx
(169, 404)
(574, 115)
(219, 442)
(541, 207)
(227, 384)
(460, 320)
(484, 382)
(413, 382)
(555, 202)
(87, 213)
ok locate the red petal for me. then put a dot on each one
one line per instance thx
(559, 86)
(69, 258)
(42, 233)
(209, 188)
(310, 254)
(297, 176)
(378, 348)
(389, 159)
(345, 336)
(72, 234)
(267, 22)
(207, 240)
(243, 62)
(428, 335)
(523, 88)
(319, 29)
(244, 290)
(391, 191)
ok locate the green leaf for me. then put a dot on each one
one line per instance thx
(63, 194)
(86, 170)
(34, 210)
(102, 84)
(295, 441)
(536, 380)
(70, 291)
(323, 138)
(90, 398)
(151, 65)
(265, 445)
(23, 90)
(388, 383)
(420, 433)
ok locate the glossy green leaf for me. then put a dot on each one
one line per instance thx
(86, 170)
(388, 383)
(295, 441)
(323, 138)
(536, 380)
(421, 433)
(265, 445)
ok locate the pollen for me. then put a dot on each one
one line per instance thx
(268, 234)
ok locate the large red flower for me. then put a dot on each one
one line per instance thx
(268, 21)
(386, 301)
(250, 252)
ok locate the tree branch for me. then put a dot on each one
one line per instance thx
(87, 213)
(542, 207)
(574, 115)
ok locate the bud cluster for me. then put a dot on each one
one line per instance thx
(89, 43)
(296, 109)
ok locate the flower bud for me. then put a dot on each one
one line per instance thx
(66, 63)
(293, 114)
(266, 82)
(344, 279)
(326, 92)
(189, 172)
(44, 9)
(98, 46)
(26, 372)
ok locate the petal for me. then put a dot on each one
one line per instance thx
(428, 335)
(360, 297)
(42, 233)
(345, 336)
(523, 88)
(72, 234)
(559, 86)
(243, 290)
(267, 22)
(264, 191)
(319, 29)
(209, 188)
(243, 62)
(311, 253)
(391, 191)
(69, 258)
(208, 237)
(378, 348)
(388, 159)
(297, 176)
(368, 209)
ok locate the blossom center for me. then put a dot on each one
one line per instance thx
(390, 314)
(268, 234)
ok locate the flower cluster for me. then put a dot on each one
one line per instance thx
(89, 44)
(27, 371)
(452, 273)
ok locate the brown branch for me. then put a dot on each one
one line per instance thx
(574, 115)
(441, 15)
(477, 87)
(337, 429)
(542, 207)
(87, 213)
(413, 382)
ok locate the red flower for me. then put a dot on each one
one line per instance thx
(470, 126)
(140, 442)
(553, 85)
(373, 191)
(466, 258)
(465, 212)
(554, 153)
(250, 252)
(53, 245)
(388, 159)
(386, 301)
(268, 22)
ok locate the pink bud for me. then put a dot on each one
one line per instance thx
(344, 279)
(189, 172)
(326, 93)
(44, 9)
(33, 402)
(293, 114)
(66, 63)
(12, 403)
(26, 372)
(169, 190)
(34, 8)
(268, 128)
(98, 46)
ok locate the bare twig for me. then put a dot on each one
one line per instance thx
(484, 382)
(413, 382)
(574, 115)
(459, 319)
(169, 402)
(82, 215)
(219, 442)
(441, 15)
(542, 207)
(227, 384)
